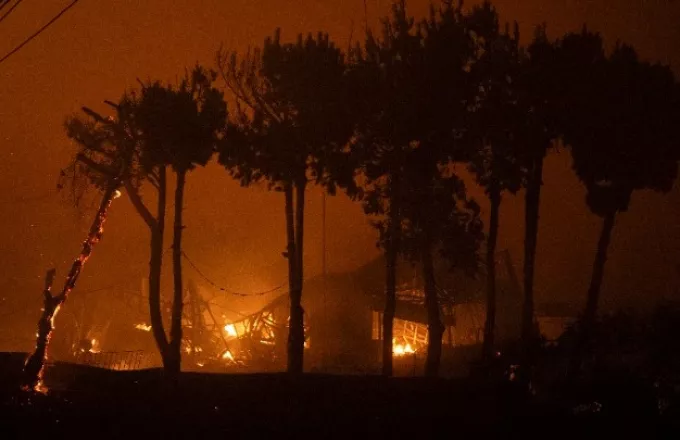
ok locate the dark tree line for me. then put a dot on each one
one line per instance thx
(388, 122)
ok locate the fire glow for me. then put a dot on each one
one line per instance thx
(143, 327)
(399, 350)
(230, 329)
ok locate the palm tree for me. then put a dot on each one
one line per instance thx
(294, 132)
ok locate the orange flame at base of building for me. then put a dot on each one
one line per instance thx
(399, 350)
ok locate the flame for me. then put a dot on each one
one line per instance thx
(231, 330)
(144, 327)
(94, 348)
(228, 356)
(40, 387)
(401, 349)
(116, 194)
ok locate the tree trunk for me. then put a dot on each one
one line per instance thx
(391, 252)
(490, 326)
(174, 356)
(296, 333)
(434, 322)
(590, 313)
(155, 267)
(532, 202)
(33, 368)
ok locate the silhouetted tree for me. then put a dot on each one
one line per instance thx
(497, 124)
(437, 216)
(536, 85)
(293, 131)
(379, 148)
(108, 183)
(181, 127)
(103, 139)
(407, 144)
(622, 126)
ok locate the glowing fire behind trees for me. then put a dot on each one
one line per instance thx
(33, 369)
(143, 327)
(399, 350)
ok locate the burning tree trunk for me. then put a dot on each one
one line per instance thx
(295, 228)
(434, 321)
(33, 368)
(391, 252)
(490, 325)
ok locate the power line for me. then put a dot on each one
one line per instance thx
(3, 3)
(10, 9)
(39, 31)
(231, 292)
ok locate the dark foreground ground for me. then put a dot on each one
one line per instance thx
(92, 403)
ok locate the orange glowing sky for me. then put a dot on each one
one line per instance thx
(237, 235)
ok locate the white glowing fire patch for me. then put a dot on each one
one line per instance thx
(95, 346)
(401, 349)
(228, 356)
(230, 329)
(144, 327)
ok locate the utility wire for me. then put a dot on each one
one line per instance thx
(38, 32)
(9, 11)
(3, 3)
(231, 292)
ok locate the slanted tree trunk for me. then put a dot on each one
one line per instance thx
(157, 229)
(532, 204)
(391, 252)
(33, 368)
(296, 334)
(490, 325)
(174, 357)
(434, 321)
(590, 313)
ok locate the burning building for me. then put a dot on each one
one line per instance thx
(343, 316)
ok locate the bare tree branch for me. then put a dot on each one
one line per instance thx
(139, 205)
